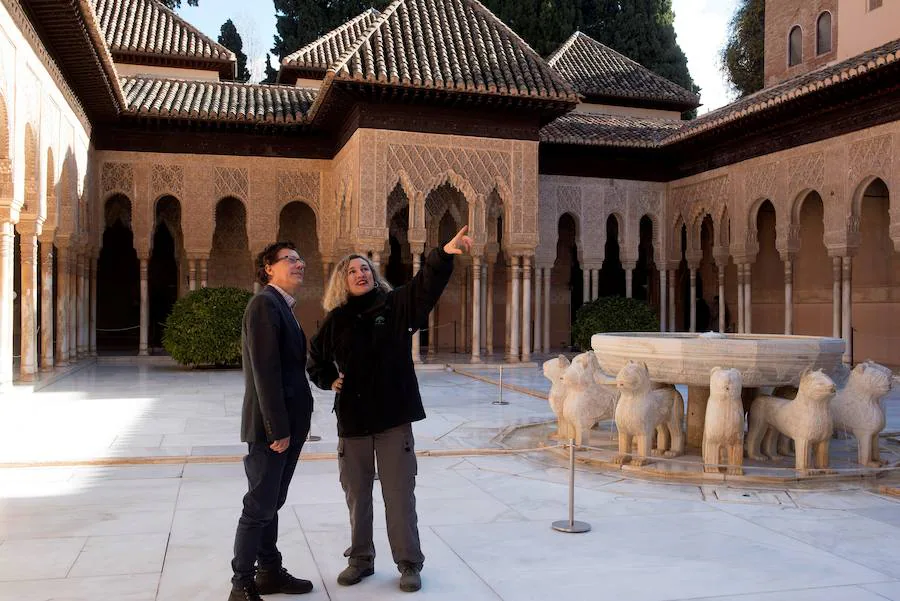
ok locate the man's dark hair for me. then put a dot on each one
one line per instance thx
(267, 257)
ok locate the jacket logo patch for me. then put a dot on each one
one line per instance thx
(379, 321)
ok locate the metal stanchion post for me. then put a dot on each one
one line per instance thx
(570, 525)
(500, 401)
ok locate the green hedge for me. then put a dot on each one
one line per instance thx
(204, 327)
(612, 314)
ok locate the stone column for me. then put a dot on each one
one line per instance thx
(515, 310)
(63, 306)
(485, 299)
(629, 279)
(489, 310)
(526, 308)
(416, 342)
(586, 284)
(204, 264)
(547, 298)
(47, 314)
(192, 274)
(595, 284)
(672, 273)
(693, 271)
(663, 304)
(28, 247)
(73, 305)
(788, 296)
(538, 310)
(720, 276)
(847, 308)
(82, 306)
(836, 297)
(509, 302)
(7, 240)
(143, 349)
(740, 296)
(748, 300)
(92, 285)
(463, 310)
(476, 309)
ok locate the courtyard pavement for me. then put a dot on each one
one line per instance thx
(122, 481)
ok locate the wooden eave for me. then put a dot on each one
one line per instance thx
(227, 69)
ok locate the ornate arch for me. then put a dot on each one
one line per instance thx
(860, 190)
(451, 177)
(655, 235)
(797, 204)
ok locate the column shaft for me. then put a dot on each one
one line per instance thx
(63, 306)
(538, 310)
(28, 248)
(663, 303)
(836, 297)
(847, 308)
(693, 300)
(546, 336)
(145, 310)
(47, 313)
(788, 297)
(516, 310)
(526, 308)
(7, 250)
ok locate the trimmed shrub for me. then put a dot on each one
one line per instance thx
(204, 327)
(612, 314)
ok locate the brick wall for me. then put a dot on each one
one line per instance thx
(781, 16)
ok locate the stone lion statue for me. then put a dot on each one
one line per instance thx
(724, 423)
(857, 408)
(806, 419)
(641, 410)
(553, 371)
(587, 401)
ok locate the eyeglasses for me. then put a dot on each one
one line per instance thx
(290, 259)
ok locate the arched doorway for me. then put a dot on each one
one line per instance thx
(645, 281)
(682, 282)
(398, 270)
(767, 276)
(229, 260)
(812, 272)
(706, 276)
(876, 282)
(297, 223)
(566, 276)
(118, 281)
(163, 268)
(612, 275)
(446, 210)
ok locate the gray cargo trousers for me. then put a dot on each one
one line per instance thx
(395, 449)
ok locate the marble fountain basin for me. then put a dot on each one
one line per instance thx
(684, 358)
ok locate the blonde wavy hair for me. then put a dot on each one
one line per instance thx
(336, 293)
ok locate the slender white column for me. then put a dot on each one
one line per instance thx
(416, 342)
(28, 248)
(63, 306)
(836, 297)
(740, 296)
(586, 278)
(672, 273)
(509, 303)
(7, 266)
(476, 309)
(192, 274)
(145, 310)
(526, 308)
(484, 303)
(47, 313)
(489, 311)
(204, 270)
(629, 280)
(546, 336)
(595, 284)
(73, 305)
(92, 290)
(463, 310)
(663, 304)
(693, 300)
(789, 297)
(82, 307)
(538, 310)
(516, 311)
(748, 300)
(847, 308)
(721, 278)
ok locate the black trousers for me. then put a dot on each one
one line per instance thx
(268, 477)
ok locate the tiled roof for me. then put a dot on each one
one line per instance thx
(328, 49)
(595, 129)
(145, 28)
(454, 45)
(596, 70)
(808, 83)
(216, 101)
(611, 130)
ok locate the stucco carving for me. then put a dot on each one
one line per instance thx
(167, 179)
(231, 182)
(806, 172)
(870, 157)
(117, 177)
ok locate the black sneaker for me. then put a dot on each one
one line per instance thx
(410, 580)
(353, 574)
(244, 592)
(274, 581)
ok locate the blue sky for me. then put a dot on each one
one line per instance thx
(701, 27)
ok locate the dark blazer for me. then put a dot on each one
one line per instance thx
(277, 399)
(370, 340)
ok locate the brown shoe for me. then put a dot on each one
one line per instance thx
(279, 580)
(410, 580)
(354, 574)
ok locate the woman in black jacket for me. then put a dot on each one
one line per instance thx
(363, 352)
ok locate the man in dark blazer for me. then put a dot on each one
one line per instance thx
(275, 422)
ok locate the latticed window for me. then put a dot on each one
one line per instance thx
(795, 47)
(823, 33)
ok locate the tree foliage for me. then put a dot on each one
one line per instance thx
(173, 4)
(612, 314)
(204, 327)
(271, 72)
(231, 39)
(743, 54)
(299, 22)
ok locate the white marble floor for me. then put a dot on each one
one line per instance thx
(164, 532)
